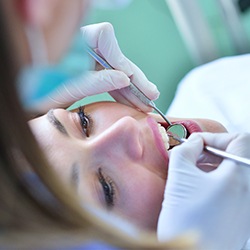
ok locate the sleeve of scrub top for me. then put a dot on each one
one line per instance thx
(218, 90)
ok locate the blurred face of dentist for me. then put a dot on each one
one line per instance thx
(61, 24)
(57, 21)
(113, 155)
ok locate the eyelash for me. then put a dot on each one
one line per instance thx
(108, 188)
(85, 121)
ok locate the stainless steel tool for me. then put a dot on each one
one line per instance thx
(217, 152)
(177, 129)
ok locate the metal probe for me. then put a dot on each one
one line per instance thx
(177, 129)
(217, 152)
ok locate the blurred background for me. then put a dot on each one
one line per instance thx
(168, 38)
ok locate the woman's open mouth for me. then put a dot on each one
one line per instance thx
(189, 125)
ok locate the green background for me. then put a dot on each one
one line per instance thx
(148, 36)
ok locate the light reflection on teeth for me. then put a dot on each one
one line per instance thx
(164, 136)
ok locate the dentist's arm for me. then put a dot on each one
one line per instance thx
(214, 204)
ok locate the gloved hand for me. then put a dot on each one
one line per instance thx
(102, 38)
(214, 204)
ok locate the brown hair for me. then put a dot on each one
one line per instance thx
(27, 215)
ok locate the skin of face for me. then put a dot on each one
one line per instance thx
(62, 24)
(57, 21)
(119, 163)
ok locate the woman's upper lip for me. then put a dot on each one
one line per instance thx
(158, 138)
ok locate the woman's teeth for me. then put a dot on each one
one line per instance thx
(164, 136)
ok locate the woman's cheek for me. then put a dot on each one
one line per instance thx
(145, 202)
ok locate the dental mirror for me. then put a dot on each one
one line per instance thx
(177, 130)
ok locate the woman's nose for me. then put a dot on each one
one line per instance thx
(122, 138)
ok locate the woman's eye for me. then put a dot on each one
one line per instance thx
(108, 188)
(85, 121)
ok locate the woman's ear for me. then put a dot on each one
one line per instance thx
(36, 12)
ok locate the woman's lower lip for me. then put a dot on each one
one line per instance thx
(157, 138)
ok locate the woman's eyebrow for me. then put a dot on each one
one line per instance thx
(56, 123)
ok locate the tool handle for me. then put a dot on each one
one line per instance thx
(218, 152)
(133, 88)
(227, 155)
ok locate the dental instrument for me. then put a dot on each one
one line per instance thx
(217, 152)
(176, 129)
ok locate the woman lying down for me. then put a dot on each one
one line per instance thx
(113, 155)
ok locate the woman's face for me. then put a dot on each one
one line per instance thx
(113, 155)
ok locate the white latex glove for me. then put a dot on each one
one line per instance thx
(102, 38)
(214, 204)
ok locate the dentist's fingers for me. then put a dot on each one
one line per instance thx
(188, 151)
(237, 144)
(101, 37)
